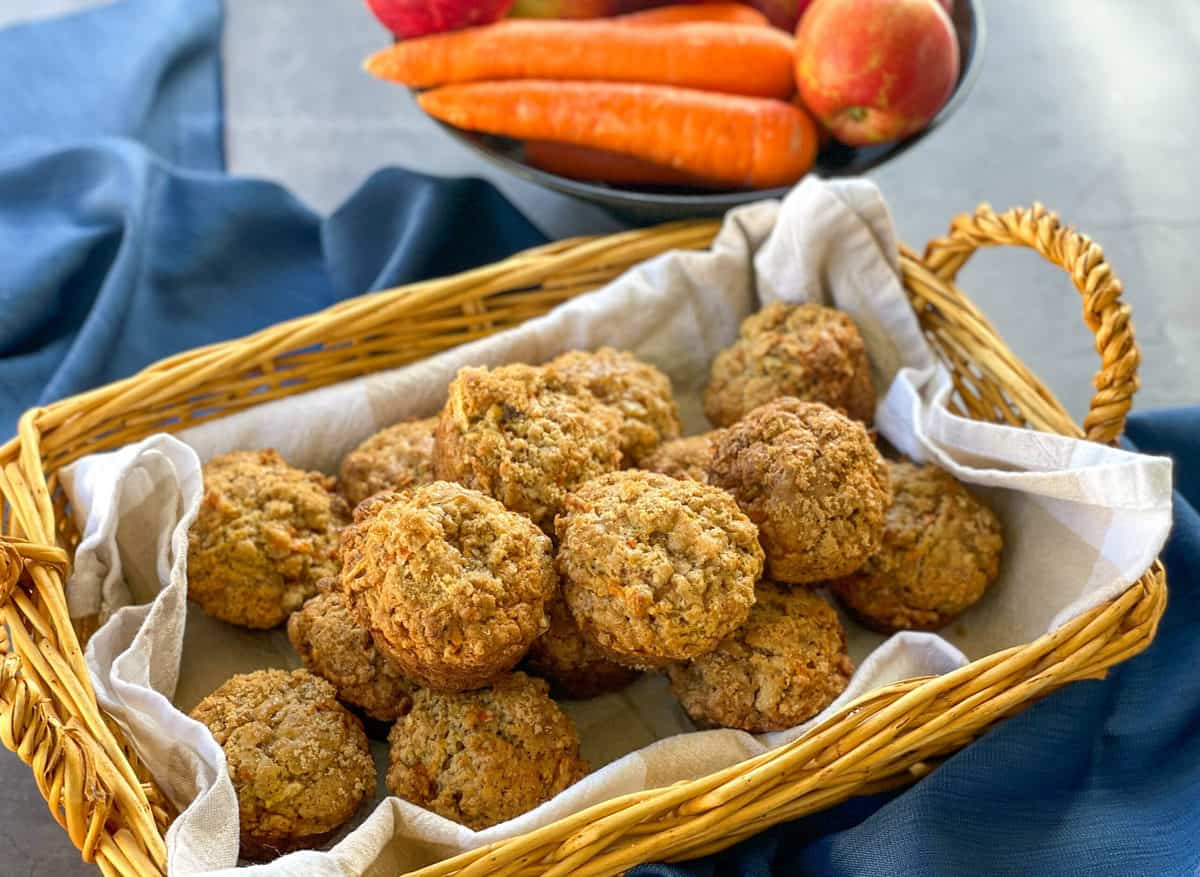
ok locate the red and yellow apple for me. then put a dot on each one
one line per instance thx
(875, 70)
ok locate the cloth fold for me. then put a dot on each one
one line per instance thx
(1074, 538)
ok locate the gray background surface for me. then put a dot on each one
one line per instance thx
(1084, 105)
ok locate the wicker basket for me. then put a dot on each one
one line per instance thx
(102, 796)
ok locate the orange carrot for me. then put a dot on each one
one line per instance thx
(730, 58)
(684, 13)
(732, 140)
(602, 166)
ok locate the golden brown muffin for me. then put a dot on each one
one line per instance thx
(452, 586)
(333, 644)
(298, 759)
(395, 458)
(265, 535)
(812, 481)
(484, 757)
(807, 351)
(941, 551)
(520, 437)
(687, 458)
(656, 569)
(783, 666)
(638, 390)
(575, 668)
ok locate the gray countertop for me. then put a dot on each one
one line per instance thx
(1084, 105)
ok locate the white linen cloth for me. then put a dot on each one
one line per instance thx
(1082, 522)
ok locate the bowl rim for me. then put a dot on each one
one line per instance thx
(633, 198)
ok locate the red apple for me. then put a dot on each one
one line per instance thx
(415, 18)
(875, 70)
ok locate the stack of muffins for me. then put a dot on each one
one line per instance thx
(550, 534)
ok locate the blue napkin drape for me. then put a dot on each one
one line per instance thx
(121, 242)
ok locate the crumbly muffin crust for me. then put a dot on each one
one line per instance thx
(266, 533)
(638, 390)
(333, 644)
(656, 569)
(451, 585)
(487, 756)
(395, 458)
(517, 435)
(941, 550)
(575, 668)
(687, 458)
(807, 351)
(298, 759)
(812, 481)
(783, 666)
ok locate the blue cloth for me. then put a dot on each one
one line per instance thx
(121, 242)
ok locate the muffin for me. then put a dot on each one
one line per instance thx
(575, 668)
(783, 666)
(812, 481)
(638, 390)
(333, 644)
(687, 458)
(941, 551)
(519, 436)
(395, 458)
(656, 569)
(806, 351)
(484, 757)
(298, 759)
(451, 585)
(266, 533)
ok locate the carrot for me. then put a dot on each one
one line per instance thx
(731, 58)
(731, 140)
(684, 13)
(599, 165)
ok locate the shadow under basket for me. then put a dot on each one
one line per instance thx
(103, 797)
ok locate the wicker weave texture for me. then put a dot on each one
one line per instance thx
(99, 792)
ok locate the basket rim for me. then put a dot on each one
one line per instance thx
(878, 724)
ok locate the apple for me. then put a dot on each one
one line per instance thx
(802, 5)
(415, 18)
(875, 70)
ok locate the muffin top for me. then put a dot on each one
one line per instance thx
(783, 666)
(395, 458)
(451, 585)
(521, 437)
(687, 458)
(265, 534)
(656, 569)
(941, 550)
(637, 390)
(333, 644)
(812, 481)
(483, 757)
(807, 351)
(298, 759)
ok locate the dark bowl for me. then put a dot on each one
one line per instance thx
(665, 203)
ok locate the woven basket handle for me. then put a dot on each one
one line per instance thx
(1103, 311)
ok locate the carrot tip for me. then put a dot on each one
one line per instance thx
(375, 64)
